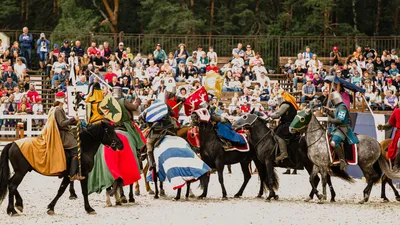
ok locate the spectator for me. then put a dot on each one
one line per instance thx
(370, 66)
(393, 69)
(152, 70)
(26, 41)
(119, 51)
(307, 55)
(238, 51)
(358, 52)
(101, 50)
(43, 49)
(356, 79)
(117, 70)
(107, 52)
(248, 55)
(335, 56)
(390, 87)
(370, 52)
(82, 81)
(247, 82)
(98, 62)
(10, 109)
(390, 101)
(375, 100)
(24, 105)
(378, 65)
(51, 59)
(315, 64)
(393, 54)
(10, 74)
(3, 48)
(256, 59)
(78, 49)
(308, 91)
(203, 63)
(324, 97)
(17, 94)
(258, 69)
(37, 109)
(361, 62)
(300, 62)
(125, 85)
(32, 94)
(298, 76)
(159, 55)
(56, 50)
(181, 54)
(26, 83)
(65, 48)
(212, 56)
(92, 50)
(114, 82)
(190, 69)
(180, 73)
(318, 82)
(19, 68)
(93, 78)
(379, 81)
(129, 54)
(236, 85)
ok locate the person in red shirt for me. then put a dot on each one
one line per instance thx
(245, 107)
(109, 76)
(393, 149)
(32, 94)
(212, 66)
(92, 50)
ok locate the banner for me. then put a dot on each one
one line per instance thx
(71, 101)
(213, 83)
(194, 100)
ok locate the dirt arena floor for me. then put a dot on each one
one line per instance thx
(37, 192)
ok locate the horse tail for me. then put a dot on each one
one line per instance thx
(384, 166)
(4, 172)
(275, 179)
(337, 172)
(203, 181)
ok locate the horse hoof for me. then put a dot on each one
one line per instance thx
(361, 202)
(321, 202)
(237, 196)
(137, 193)
(320, 196)
(201, 197)
(308, 199)
(13, 214)
(186, 199)
(131, 200)
(385, 200)
(20, 208)
(175, 199)
(72, 197)
(259, 196)
(118, 203)
(151, 192)
(268, 199)
(276, 197)
(108, 204)
(162, 193)
(92, 212)
(398, 198)
(224, 198)
(50, 212)
(124, 200)
(156, 197)
(192, 196)
(333, 200)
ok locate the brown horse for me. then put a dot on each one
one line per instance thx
(384, 145)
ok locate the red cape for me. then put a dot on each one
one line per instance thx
(394, 121)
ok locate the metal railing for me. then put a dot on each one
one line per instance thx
(271, 47)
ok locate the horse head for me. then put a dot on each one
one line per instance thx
(105, 133)
(301, 121)
(246, 121)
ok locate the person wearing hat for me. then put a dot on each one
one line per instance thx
(93, 113)
(335, 56)
(119, 51)
(181, 54)
(393, 54)
(286, 113)
(66, 49)
(341, 131)
(69, 142)
(159, 55)
(43, 49)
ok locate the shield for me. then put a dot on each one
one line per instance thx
(193, 137)
(156, 111)
(111, 108)
(88, 112)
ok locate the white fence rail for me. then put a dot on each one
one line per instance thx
(23, 118)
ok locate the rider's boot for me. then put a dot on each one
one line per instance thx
(73, 175)
(226, 144)
(339, 152)
(282, 149)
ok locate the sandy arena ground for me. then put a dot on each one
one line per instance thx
(37, 191)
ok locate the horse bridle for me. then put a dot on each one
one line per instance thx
(251, 124)
(319, 128)
(113, 143)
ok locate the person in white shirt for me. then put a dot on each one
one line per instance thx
(300, 61)
(17, 95)
(259, 69)
(212, 56)
(199, 52)
(247, 82)
(169, 82)
(3, 47)
(37, 109)
(57, 66)
(117, 70)
(19, 68)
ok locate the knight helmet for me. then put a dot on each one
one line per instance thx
(336, 98)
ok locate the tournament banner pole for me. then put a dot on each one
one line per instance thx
(180, 103)
(78, 124)
(103, 81)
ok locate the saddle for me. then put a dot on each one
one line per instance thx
(350, 153)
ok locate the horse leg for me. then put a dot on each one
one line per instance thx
(333, 193)
(123, 197)
(308, 165)
(178, 194)
(64, 184)
(131, 197)
(162, 191)
(148, 189)
(204, 180)
(117, 195)
(271, 180)
(155, 185)
(137, 189)
(72, 194)
(246, 175)
(220, 170)
(84, 184)
(371, 177)
(313, 176)
(18, 201)
(324, 179)
(383, 189)
(188, 190)
(390, 182)
(15, 180)
(261, 174)
(108, 200)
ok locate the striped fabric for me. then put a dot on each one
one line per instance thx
(156, 111)
(177, 162)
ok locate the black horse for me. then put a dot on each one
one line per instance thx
(91, 138)
(213, 154)
(265, 145)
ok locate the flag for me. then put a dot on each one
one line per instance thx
(213, 83)
(156, 111)
(194, 100)
(177, 162)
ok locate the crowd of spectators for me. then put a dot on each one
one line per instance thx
(150, 76)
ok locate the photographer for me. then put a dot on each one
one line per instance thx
(43, 50)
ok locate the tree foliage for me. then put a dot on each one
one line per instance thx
(230, 17)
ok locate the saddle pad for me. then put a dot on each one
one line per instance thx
(240, 148)
(350, 152)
